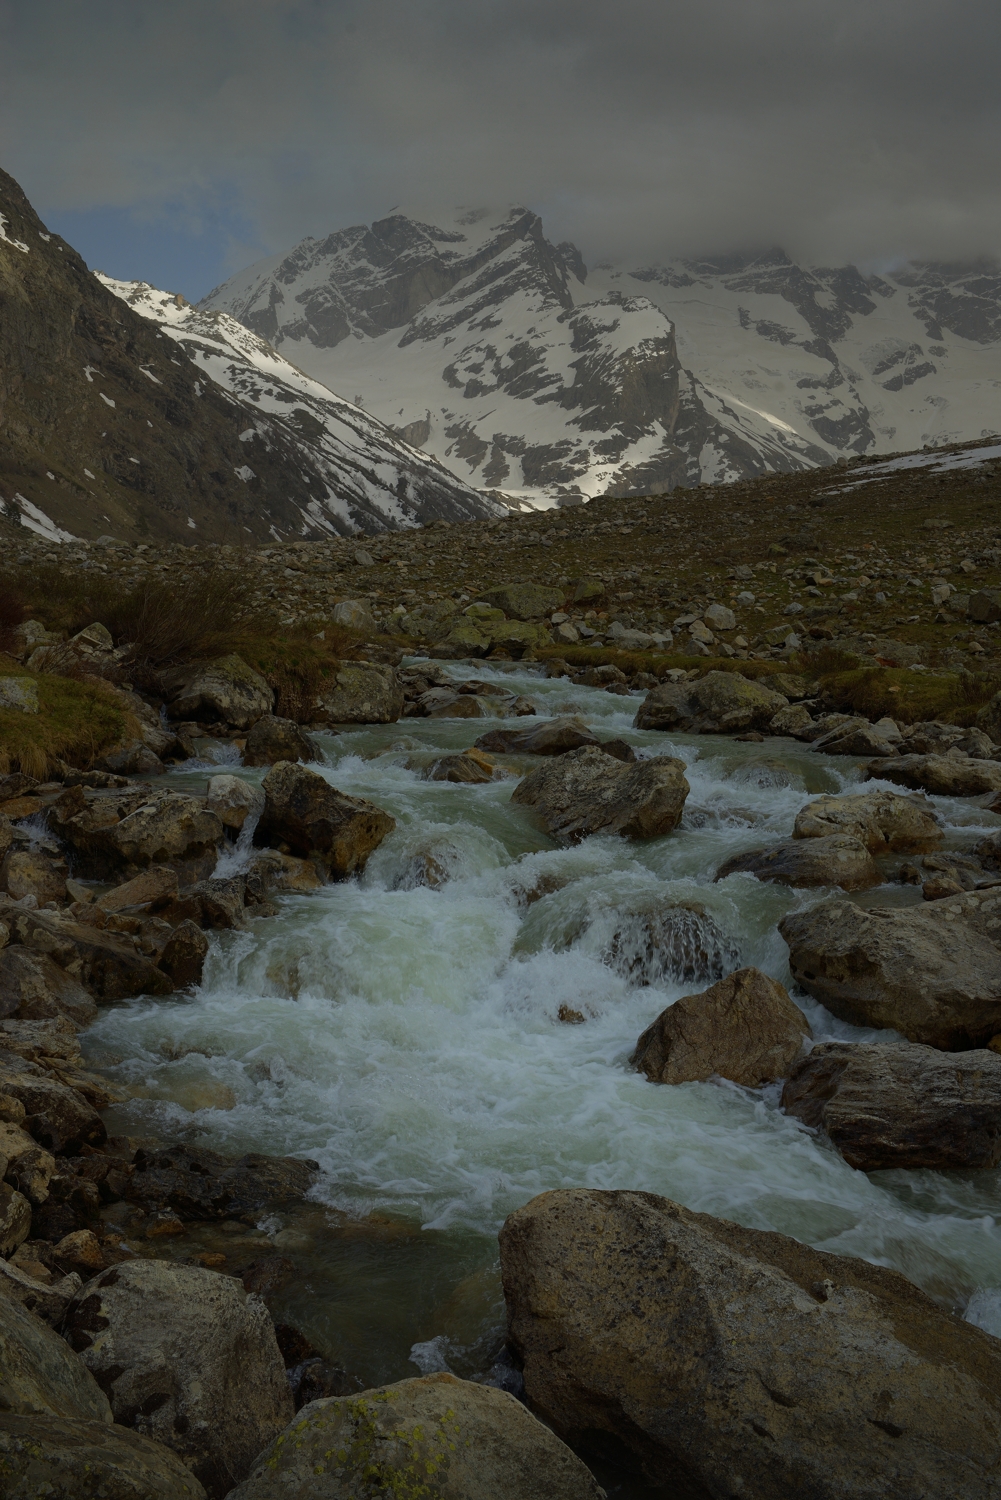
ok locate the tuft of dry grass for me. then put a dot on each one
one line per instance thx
(912, 697)
(76, 722)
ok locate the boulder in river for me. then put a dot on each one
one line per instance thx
(719, 702)
(838, 859)
(943, 775)
(898, 1105)
(932, 972)
(586, 791)
(728, 1361)
(471, 767)
(306, 816)
(226, 691)
(744, 1028)
(360, 692)
(233, 800)
(118, 834)
(69, 1459)
(272, 739)
(857, 737)
(199, 1184)
(551, 737)
(433, 1436)
(40, 1374)
(670, 941)
(188, 1359)
(886, 822)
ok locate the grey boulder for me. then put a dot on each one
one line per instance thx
(839, 859)
(586, 791)
(307, 817)
(65, 1459)
(188, 1359)
(226, 691)
(40, 1374)
(886, 822)
(898, 1105)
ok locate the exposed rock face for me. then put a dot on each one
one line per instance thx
(943, 775)
(855, 737)
(720, 702)
(885, 822)
(109, 965)
(47, 1300)
(551, 737)
(64, 1459)
(725, 1360)
(931, 972)
(272, 739)
(28, 872)
(120, 834)
(188, 1359)
(58, 1116)
(34, 988)
(39, 1373)
(901, 1105)
(435, 1436)
(15, 1218)
(313, 820)
(744, 1028)
(586, 791)
(225, 691)
(361, 693)
(837, 859)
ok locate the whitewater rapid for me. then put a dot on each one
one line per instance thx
(408, 1039)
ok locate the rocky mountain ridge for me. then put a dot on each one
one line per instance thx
(478, 339)
(123, 413)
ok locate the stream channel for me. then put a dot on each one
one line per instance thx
(408, 1039)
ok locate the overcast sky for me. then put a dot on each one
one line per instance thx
(178, 140)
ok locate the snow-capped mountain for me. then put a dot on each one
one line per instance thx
(373, 480)
(478, 340)
(123, 412)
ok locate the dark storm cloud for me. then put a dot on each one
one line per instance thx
(862, 129)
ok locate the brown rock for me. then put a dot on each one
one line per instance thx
(109, 965)
(899, 1105)
(586, 791)
(47, 1299)
(272, 872)
(719, 702)
(837, 859)
(183, 956)
(199, 1184)
(225, 691)
(59, 1117)
(153, 884)
(360, 693)
(15, 1218)
(31, 873)
(552, 737)
(123, 833)
(80, 1252)
(744, 1028)
(314, 820)
(931, 972)
(886, 822)
(471, 767)
(272, 739)
(943, 775)
(34, 988)
(710, 1353)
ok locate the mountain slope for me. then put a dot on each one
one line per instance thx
(108, 425)
(479, 340)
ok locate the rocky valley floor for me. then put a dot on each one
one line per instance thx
(516, 878)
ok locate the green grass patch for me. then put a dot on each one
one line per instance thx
(76, 722)
(953, 697)
(657, 662)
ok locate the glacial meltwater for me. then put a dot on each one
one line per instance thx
(409, 1038)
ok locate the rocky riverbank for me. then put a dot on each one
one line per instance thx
(135, 1272)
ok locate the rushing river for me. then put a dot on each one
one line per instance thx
(409, 1039)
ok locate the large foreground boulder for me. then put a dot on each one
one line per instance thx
(719, 702)
(744, 1028)
(116, 836)
(551, 737)
(901, 1106)
(838, 859)
(730, 1362)
(886, 822)
(305, 816)
(932, 972)
(360, 692)
(226, 691)
(34, 988)
(63, 1459)
(586, 791)
(943, 775)
(187, 1358)
(435, 1436)
(40, 1374)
